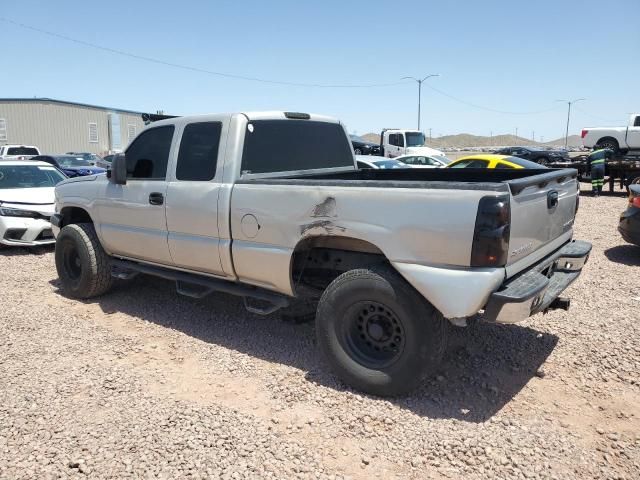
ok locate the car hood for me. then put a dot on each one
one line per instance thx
(37, 199)
(84, 170)
(427, 151)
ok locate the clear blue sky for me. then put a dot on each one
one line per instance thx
(505, 55)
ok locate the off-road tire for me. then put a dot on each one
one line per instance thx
(421, 339)
(83, 266)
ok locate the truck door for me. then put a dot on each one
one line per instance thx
(132, 216)
(396, 145)
(192, 198)
(633, 133)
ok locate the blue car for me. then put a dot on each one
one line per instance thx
(70, 165)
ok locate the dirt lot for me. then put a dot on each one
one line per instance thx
(144, 383)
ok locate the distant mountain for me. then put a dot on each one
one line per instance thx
(573, 141)
(463, 140)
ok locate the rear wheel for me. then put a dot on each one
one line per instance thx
(83, 266)
(378, 334)
(609, 143)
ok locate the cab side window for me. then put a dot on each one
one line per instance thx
(198, 156)
(148, 155)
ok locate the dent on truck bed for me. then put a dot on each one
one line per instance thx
(326, 209)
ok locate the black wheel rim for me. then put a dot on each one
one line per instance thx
(372, 334)
(71, 260)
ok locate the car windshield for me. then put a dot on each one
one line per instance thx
(69, 161)
(524, 163)
(415, 139)
(389, 164)
(357, 138)
(442, 158)
(22, 151)
(28, 176)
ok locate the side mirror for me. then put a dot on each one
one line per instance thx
(118, 172)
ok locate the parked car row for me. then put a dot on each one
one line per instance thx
(27, 202)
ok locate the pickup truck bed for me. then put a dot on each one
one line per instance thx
(388, 256)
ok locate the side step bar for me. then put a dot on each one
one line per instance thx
(198, 286)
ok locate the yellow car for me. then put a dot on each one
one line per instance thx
(490, 160)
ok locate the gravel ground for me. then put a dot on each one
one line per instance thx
(143, 383)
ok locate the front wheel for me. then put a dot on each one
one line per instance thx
(544, 161)
(357, 151)
(377, 333)
(83, 266)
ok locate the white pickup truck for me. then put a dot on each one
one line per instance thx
(387, 256)
(396, 142)
(618, 139)
(18, 152)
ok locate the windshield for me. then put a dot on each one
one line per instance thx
(524, 163)
(357, 138)
(28, 176)
(389, 164)
(69, 161)
(415, 139)
(442, 159)
(22, 151)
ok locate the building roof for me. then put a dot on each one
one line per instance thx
(65, 102)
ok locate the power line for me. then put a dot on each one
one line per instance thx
(488, 109)
(595, 117)
(254, 79)
(193, 69)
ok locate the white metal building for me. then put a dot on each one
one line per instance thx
(56, 126)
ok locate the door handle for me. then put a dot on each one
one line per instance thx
(156, 198)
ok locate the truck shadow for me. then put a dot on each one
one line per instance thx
(486, 365)
(624, 254)
(15, 251)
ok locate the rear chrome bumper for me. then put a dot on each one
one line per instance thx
(536, 289)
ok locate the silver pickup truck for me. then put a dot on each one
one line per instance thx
(271, 207)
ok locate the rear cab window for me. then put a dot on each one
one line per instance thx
(272, 146)
(22, 151)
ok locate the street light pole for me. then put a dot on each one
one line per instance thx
(419, 81)
(569, 102)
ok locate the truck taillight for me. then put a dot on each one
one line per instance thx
(634, 202)
(584, 133)
(491, 234)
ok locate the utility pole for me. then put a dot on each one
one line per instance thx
(569, 102)
(516, 134)
(420, 90)
(533, 136)
(429, 134)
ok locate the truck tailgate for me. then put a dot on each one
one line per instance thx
(543, 209)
